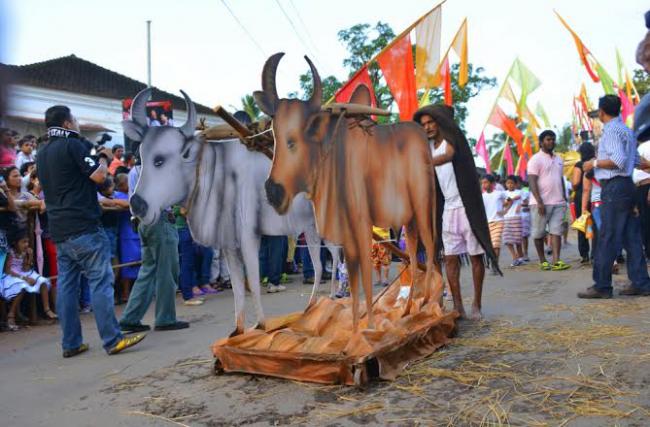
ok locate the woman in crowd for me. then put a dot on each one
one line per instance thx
(129, 241)
(577, 177)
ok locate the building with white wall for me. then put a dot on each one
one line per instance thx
(93, 93)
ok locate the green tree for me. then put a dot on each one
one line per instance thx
(249, 105)
(564, 139)
(363, 42)
(641, 80)
(476, 81)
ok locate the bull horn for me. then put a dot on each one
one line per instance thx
(190, 125)
(317, 94)
(268, 77)
(354, 109)
(139, 107)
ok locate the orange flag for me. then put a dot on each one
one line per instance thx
(445, 73)
(397, 65)
(585, 55)
(506, 124)
(361, 77)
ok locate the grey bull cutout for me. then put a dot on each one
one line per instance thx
(229, 209)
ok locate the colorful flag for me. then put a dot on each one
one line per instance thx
(361, 77)
(425, 99)
(526, 80)
(539, 110)
(507, 156)
(631, 89)
(397, 65)
(427, 49)
(506, 124)
(508, 94)
(459, 44)
(627, 109)
(605, 80)
(585, 55)
(445, 73)
(481, 150)
(619, 68)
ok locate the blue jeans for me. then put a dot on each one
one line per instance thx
(203, 263)
(620, 228)
(90, 254)
(271, 259)
(307, 265)
(186, 252)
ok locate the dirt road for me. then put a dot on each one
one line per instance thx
(540, 357)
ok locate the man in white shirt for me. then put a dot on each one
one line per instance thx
(461, 231)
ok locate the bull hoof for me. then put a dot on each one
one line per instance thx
(218, 367)
(235, 333)
(260, 325)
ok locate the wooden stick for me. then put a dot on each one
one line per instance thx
(243, 131)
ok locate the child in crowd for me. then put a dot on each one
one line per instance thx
(380, 257)
(493, 200)
(129, 241)
(111, 209)
(26, 147)
(512, 218)
(19, 274)
(344, 286)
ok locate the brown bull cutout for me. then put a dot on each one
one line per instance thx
(357, 174)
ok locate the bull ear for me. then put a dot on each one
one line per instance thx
(266, 104)
(191, 148)
(317, 127)
(361, 95)
(132, 130)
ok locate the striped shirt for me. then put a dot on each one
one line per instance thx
(617, 144)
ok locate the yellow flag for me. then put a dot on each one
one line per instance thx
(460, 47)
(425, 99)
(508, 94)
(427, 49)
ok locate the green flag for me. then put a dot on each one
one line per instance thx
(620, 67)
(539, 110)
(526, 80)
(605, 80)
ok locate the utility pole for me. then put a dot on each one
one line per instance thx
(149, 53)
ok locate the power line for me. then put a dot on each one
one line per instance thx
(304, 26)
(250, 36)
(295, 30)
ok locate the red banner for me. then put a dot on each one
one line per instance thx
(445, 74)
(397, 65)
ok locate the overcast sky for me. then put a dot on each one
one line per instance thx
(198, 46)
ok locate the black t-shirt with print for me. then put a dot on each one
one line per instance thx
(64, 166)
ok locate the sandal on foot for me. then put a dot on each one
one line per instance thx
(545, 266)
(560, 265)
(11, 324)
(50, 314)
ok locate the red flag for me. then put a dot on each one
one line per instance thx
(361, 77)
(481, 150)
(508, 158)
(628, 106)
(445, 74)
(523, 165)
(506, 124)
(397, 65)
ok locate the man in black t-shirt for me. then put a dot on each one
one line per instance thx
(69, 174)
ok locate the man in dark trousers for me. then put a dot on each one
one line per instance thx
(69, 175)
(617, 156)
(462, 222)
